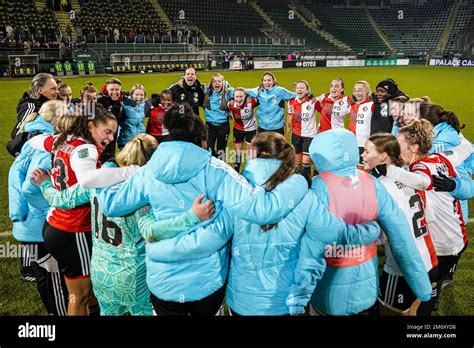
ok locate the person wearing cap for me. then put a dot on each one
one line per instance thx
(382, 121)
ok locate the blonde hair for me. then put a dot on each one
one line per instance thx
(419, 132)
(49, 110)
(137, 151)
(366, 86)
(88, 88)
(137, 86)
(207, 103)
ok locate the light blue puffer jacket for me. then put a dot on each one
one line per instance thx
(271, 108)
(215, 115)
(194, 264)
(351, 290)
(263, 264)
(27, 206)
(133, 123)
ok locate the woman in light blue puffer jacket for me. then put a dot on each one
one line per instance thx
(134, 109)
(186, 274)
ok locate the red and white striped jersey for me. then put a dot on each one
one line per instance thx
(244, 119)
(62, 176)
(155, 124)
(332, 111)
(443, 211)
(412, 203)
(303, 117)
(361, 118)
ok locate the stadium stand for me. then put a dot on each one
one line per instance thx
(279, 13)
(217, 18)
(41, 23)
(349, 25)
(416, 27)
(101, 18)
(466, 11)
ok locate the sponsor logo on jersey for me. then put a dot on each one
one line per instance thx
(83, 153)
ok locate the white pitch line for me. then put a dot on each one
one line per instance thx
(470, 220)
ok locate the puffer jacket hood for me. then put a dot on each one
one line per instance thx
(335, 151)
(178, 161)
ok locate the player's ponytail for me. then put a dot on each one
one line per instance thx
(435, 114)
(274, 145)
(137, 151)
(451, 118)
(385, 142)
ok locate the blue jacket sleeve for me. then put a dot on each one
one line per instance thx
(254, 204)
(124, 198)
(285, 94)
(198, 244)
(31, 192)
(253, 92)
(402, 245)
(17, 204)
(323, 230)
(464, 188)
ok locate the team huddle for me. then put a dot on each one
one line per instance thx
(122, 216)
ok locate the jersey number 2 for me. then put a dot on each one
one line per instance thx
(419, 216)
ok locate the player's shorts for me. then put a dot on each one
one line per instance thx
(395, 292)
(240, 136)
(301, 144)
(119, 280)
(118, 309)
(73, 251)
(279, 130)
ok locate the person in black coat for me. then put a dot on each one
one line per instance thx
(43, 88)
(382, 121)
(189, 90)
(111, 99)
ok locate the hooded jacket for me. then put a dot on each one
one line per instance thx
(351, 290)
(271, 109)
(263, 278)
(194, 264)
(27, 207)
(133, 123)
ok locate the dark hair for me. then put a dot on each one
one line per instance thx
(274, 145)
(436, 115)
(184, 125)
(385, 142)
(166, 92)
(77, 124)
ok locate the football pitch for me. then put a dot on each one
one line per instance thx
(446, 86)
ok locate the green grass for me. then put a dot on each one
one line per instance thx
(448, 87)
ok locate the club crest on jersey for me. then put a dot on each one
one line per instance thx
(365, 108)
(341, 102)
(246, 110)
(308, 107)
(83, 153)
